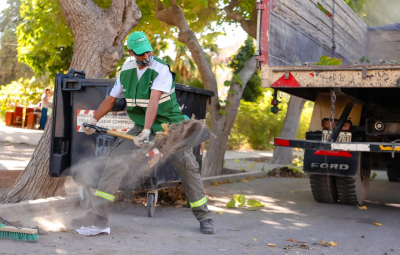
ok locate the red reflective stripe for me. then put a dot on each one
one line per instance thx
(345, 154)
(281, 142)
(282, 82)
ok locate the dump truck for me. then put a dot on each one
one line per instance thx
(355, 125)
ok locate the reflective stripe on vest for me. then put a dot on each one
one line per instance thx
(104, 195)
(199, 202)
(145, 102)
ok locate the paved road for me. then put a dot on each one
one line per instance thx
(286, 215)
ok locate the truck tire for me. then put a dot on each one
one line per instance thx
(323, 188)
(354, 190)
(393, 174)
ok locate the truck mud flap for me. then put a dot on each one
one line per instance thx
(338, 163)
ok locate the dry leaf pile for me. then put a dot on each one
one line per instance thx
(286, 172)
(174, 196)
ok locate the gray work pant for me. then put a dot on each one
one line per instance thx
(118, 164)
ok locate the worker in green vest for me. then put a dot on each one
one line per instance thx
(148, 86)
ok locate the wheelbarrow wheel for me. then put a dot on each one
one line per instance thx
(85, 197)
(151, 204)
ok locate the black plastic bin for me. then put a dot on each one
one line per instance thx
(73, 93)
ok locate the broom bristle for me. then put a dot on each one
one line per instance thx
(17, 236)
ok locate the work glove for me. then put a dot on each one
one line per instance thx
(88, 130)
(144, 136)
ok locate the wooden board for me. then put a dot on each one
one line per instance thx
(349, 39)
(383, 45)
(287, 42)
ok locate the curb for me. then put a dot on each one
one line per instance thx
(45, 206)
(232, 177)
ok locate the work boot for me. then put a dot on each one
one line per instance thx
(90, 219)
(207, 227)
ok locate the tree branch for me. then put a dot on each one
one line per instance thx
(174, 16)
(250, 26)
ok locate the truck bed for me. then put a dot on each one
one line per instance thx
(294, 34)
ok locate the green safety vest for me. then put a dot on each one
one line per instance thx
(137, 95)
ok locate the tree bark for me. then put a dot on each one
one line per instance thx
(221, 123)
(98, 36)
(284, 155)
(98, 33)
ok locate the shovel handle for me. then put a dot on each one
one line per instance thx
(120, 134)
(109, 131)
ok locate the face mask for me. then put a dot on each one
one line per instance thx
(146, 62)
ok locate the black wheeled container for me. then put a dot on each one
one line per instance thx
(73, 93)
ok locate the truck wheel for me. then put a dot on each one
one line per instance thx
(393, 174)
(323, 188)
(353, 190)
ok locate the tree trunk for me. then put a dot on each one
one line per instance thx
(35, 182)
(98, 33)
(98, 36)
(221, 121)
(284, 155)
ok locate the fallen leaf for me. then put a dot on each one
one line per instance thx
(219, 212)
(362, 207)
(291, 240)
(323, 243)
(242, 180)
(261, 176)
(221, 182)
(237, 160)
(377, 224)
(240, 199)
(303, 246)
(255, 239)
(293, 191)
(149, 162)
(231, 204)
(271, 245)
(250, 177)
(254, 203)
(252, 209)
(332, 243)
(215, 183)
(228, 181)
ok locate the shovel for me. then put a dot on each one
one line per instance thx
(179, 136)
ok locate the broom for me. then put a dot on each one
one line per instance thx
(17, 233)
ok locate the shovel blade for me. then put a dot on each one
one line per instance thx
(182, 136)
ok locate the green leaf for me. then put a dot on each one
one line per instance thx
(227, 83)
(242, 169)
(240, 199)
(252, 209)
(224, 162)
(222, 112)
(237, 160)
(231, 204)
(239, 79)
(362, 59)
(368, 62)
(254, 203)
(373, 176)
(227, 102)
(262, 168)
(325, 60)
(251, 166)
(232, 91)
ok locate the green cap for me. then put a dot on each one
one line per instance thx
(138, 42)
